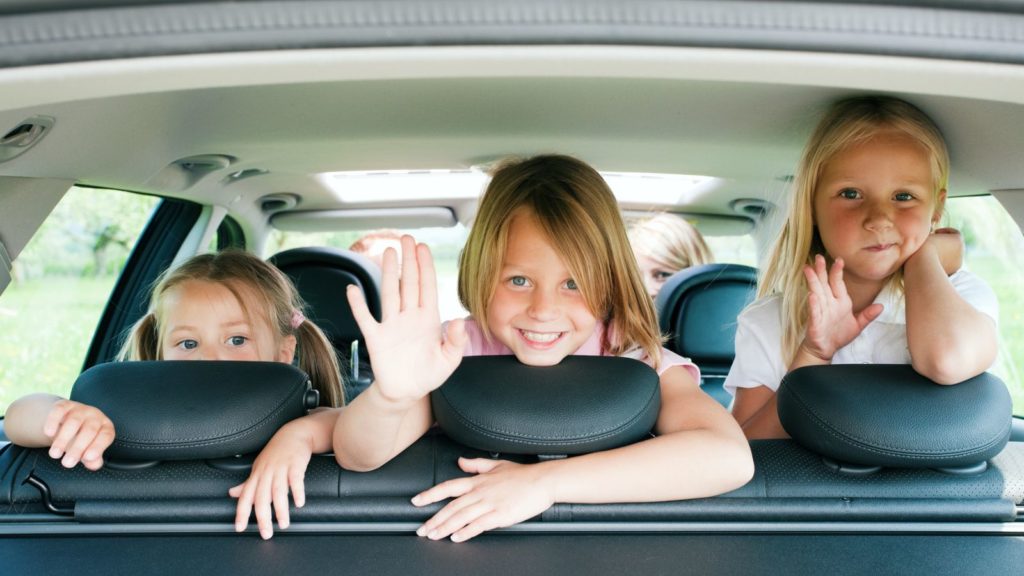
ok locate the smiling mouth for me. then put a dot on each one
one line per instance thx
(542, 339)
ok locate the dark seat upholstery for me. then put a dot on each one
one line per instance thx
(322, 275)
(697, 309)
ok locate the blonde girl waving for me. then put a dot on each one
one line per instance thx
(860, 274)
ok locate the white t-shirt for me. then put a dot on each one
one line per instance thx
(759, 361)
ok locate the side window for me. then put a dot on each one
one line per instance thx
(61, 282)
(994, 250)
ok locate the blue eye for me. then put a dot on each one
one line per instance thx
(237, 340)
(850, 193)
(904, 196)
(661, 275)
(518, 281)
(188, 344)
(571, 284)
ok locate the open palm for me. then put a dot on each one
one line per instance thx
(407, 352)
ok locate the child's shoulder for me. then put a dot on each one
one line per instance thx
(762, 311)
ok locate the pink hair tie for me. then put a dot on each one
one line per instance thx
(297, 318)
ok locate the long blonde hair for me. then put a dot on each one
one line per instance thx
(259, 287)
(580, 217)
(670, 241)
(847, 123)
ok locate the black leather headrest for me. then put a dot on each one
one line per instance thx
(321, 275)
(584, 404)
(889, 415)
(698, 307)
(186, 410)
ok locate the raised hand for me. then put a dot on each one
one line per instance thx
(831, 323)
(501, 493)
(406, 349)
(80, 434)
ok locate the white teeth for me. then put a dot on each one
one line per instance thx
(541, 337)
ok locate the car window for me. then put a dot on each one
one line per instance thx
(994, 250)
(61, 283)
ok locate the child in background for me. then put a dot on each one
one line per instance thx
(225, 306)
(665, 244)
(374, 243)
(547, 272)
(859, 273)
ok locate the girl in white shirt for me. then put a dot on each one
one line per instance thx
(860, 273)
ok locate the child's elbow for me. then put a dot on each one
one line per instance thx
(354, 464)
(742, 469)
(945, 369)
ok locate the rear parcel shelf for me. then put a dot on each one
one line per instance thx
(790, 484)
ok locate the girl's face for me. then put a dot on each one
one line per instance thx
(654, 273)
(537, 310)
(874, 206)
(205, 321)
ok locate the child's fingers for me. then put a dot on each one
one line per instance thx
(280, 498)
(448, 489)
(821, 270)
(444, 514)
(297, 482)
(245, 493)
(485, 522)
(478, 465)
(68, 429)
(455, 340)
(835, 279)
(264, 515)
(868, 314)
(236, 491)
(459, 520)
(357, 302)
(104, 438)
(76, 448)
(389, 296)
(427, 276)
(52, 423)
(410, 282)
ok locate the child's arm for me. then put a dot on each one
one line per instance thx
(831, 324)
(700, 452)
(949, 340)
(409, 360)
(281, 466)
(75, 432)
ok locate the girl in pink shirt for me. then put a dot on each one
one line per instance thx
(547, 272)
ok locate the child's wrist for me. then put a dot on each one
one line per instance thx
(813, 357)
(383, 401)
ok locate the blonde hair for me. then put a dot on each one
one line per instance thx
(580, 217)
(847, 123)
(670, 241)
(258, 286)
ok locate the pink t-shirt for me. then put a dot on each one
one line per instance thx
(479, 346)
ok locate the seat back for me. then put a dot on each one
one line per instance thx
(322, 275)
(697, 309)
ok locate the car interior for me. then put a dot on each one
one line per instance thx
(247, 136)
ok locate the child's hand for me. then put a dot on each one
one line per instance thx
(831, 323)
(408, 356)
(80, 434)
(501, 494)
(949, 246)
(281, 465)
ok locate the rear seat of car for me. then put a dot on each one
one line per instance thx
(321, 275)
(697, 309)
(791, 483)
